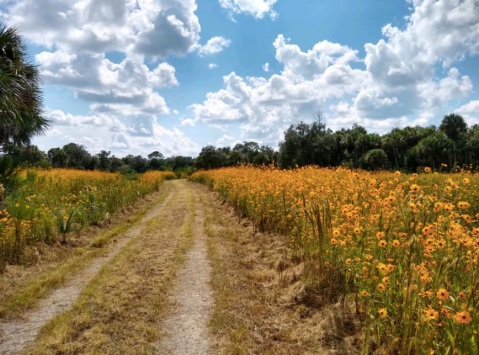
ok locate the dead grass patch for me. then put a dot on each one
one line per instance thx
(21, 286)
(120, 310)
(263, 305)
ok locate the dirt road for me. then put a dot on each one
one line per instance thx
(161, 262)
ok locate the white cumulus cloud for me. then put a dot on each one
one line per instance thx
(125, 88)
(470, 111)
(149, 27)
(397, 82)
(60, 118)
(224, 140)
(256, 8)
(213, 46)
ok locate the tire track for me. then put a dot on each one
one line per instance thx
(17, 335)
(188, 325)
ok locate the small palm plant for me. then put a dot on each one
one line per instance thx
(65, 224)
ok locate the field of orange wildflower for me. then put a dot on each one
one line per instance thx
(405, 247)
(56, 202)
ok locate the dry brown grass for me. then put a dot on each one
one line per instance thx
(49, 266)
(120, 310)
(262, 303)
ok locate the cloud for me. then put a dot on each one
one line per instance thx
(443, 31)
(59, 118)
(470, 112)
(452, 87)
(265, 107)
(169, 141)
(126, 88)
(153, 28)
(94, 144)
(77, 36)
(212, 65)
(188, 122)
(120, 136)
(407, 77)
(470, 107)
(166, 27)
(213, 46)
(223, 141)
(256, 8)
(119, 141)
(53, 132)
(397, 83)
(304, 65)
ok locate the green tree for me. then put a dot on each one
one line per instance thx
(248, 150)
(350, 142)
(392, 144)
(292, 149)
(178, 162)
(261, 159)
(374, 159)
(76, 155)
(433, 150)
(137, 163)
(103, 160)
(29, 154)
(156, 161)
(472, 144)
(235, 158)
(212, 158)
(57, 157)
(115, 164)
(454, 127)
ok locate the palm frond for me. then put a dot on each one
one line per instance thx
(20, 93)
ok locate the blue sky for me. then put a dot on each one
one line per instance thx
(174, 75)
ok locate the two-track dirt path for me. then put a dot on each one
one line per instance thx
(185, 329)
(16, 335)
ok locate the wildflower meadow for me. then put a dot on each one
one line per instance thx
(403, 248)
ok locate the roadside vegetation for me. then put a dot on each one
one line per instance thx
(48, 206)
(401, 249)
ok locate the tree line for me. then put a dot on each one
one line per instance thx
(76, 156)
(451, 144)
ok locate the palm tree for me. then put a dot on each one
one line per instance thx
(454, 127)
(20, 94)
